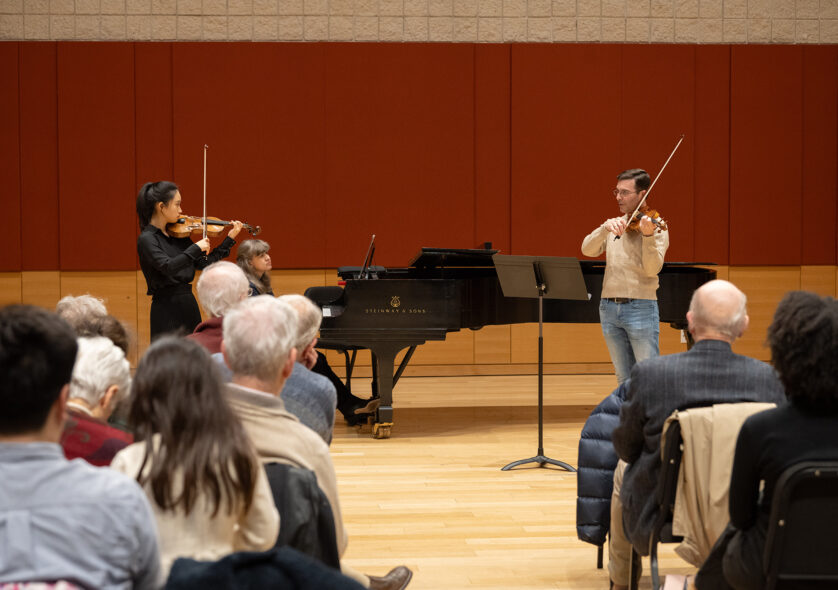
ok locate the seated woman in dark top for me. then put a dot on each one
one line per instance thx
(804, 349)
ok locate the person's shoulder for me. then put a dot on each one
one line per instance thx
(304, 377)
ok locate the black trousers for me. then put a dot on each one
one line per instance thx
(736, 560)
(174, 313)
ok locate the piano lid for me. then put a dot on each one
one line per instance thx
(451, 257)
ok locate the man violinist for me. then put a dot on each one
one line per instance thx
(628, 308)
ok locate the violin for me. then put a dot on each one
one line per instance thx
(654, 217)
(189, 224)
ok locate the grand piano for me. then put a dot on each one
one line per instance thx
(441, 291)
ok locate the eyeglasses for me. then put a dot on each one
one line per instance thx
(622, 192)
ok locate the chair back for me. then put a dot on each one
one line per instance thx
(800, 543)
(306, 522)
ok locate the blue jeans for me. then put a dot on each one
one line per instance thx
(631, 332)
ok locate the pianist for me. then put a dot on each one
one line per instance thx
(628, 308)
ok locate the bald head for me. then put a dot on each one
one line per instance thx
(717, 311)
(221, 286)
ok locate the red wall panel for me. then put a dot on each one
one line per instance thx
(154, 121)
(820, 155)
(96, 156)
(657, 107)
(39, 157)
(399, 149)
(765, 154)
(565, 121)
(491, 145)
(10, 156)
(711, 211)
(260, 109)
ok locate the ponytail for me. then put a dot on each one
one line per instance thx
(152, 193)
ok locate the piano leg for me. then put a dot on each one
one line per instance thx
(384, 378)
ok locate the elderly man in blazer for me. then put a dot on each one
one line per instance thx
(707, 374)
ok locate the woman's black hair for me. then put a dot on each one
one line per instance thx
(203, 448)
(152, 193)
(804, 350)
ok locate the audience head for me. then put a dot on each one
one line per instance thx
(803, 338)
(37, 352)
(150, 196)
(101, 376)
(259, 336)
(80, 311)
(717, 311)
(220, 287)
(109, 327)
(178, 396)
(252, 257)
(309, 317)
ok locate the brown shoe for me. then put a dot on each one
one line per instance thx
(396, 579)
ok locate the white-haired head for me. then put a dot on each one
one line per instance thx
(718, 310)
(81, 310)
(100, 366)
(309, 317)
(220, 286)
(259, 336)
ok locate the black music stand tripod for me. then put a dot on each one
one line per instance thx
(539, 277)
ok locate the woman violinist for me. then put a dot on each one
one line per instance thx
(169, 263)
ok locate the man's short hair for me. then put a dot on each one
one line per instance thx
(221, 286)
(309, 317)
(81, 310)
(640, 177)
(706, 317)
(99, 364)
(803, 338)
(37, 352)
(259, 334)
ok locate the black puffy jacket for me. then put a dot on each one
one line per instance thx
(595, 475)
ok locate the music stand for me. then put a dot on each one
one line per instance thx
(539, 277)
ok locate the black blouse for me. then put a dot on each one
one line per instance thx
(168, 263)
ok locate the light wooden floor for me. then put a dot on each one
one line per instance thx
(433, 496)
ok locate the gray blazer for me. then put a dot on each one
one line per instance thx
(312, 399)
(707, 374)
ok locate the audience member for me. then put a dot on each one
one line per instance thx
(804, 349)
(258, 346)
(707, 374)
(307, 395)
(61, 520)
(79, 310)
(220, 286)
(253, 258)
(209, 493)
(101, 378)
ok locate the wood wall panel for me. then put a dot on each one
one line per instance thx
(10, 255)
(399, 150)
(39, 157)
(96, 156)
(565, 154)
(818, 279)
(260, 108)
(154, 127)
(492, 345)
(491, 145)
(764, 286)
(712, 155)
(766, 143)
(820, 156)
(10, 288)
(41, 288)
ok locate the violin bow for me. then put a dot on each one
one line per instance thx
(643, 200)
(205, 190)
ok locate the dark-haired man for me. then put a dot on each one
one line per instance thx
(60, 519)
(628, 308)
